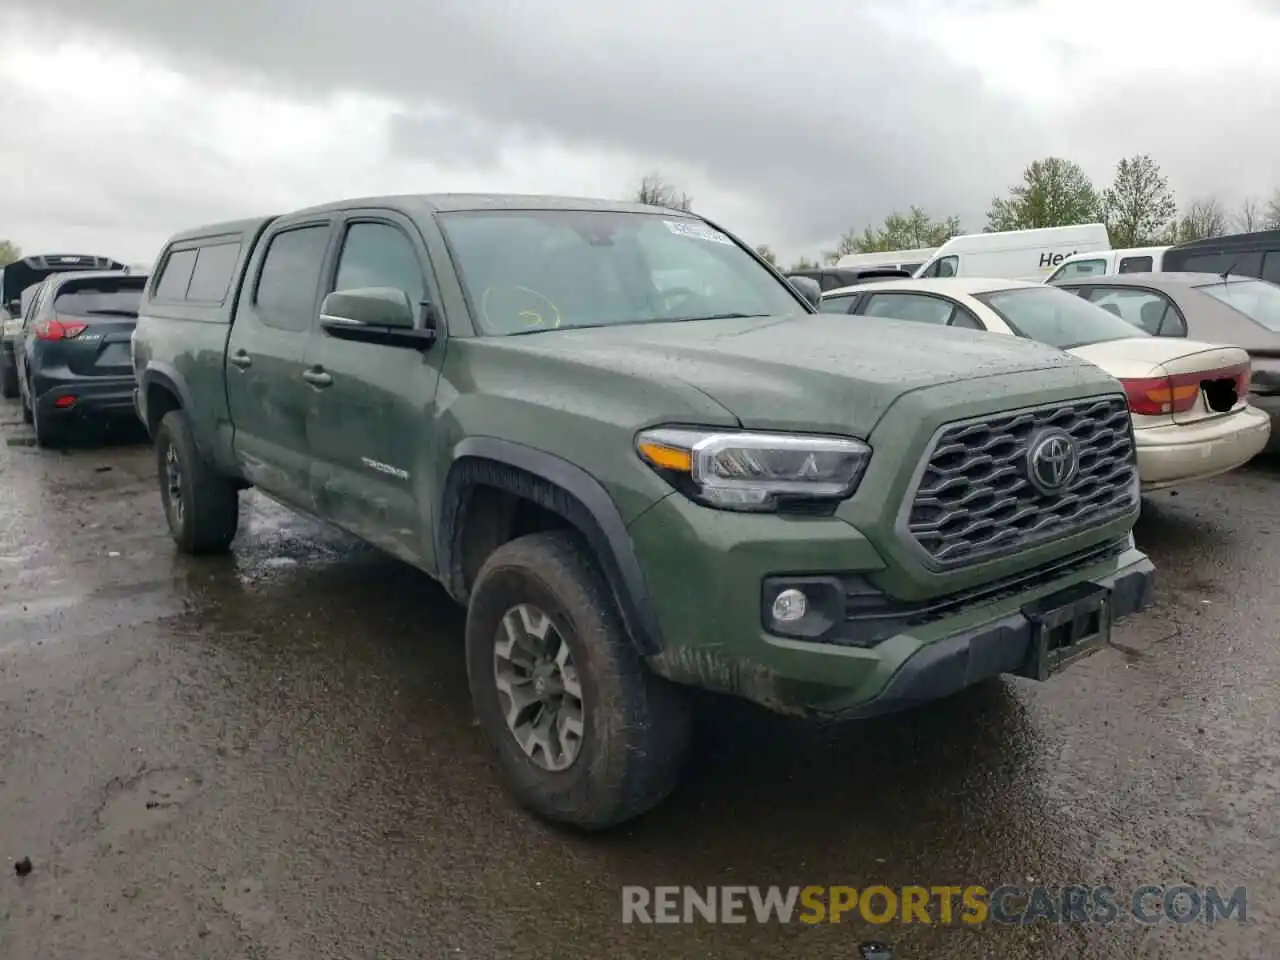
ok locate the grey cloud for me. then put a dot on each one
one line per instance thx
(812, 111)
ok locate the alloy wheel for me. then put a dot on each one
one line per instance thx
(538, 688)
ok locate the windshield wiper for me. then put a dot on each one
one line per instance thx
(717, 316)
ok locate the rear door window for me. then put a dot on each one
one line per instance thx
(909, 306)
(100, 297)
(1143, 309)
(837, 304)
(290, 277)
(175, 275)
(963, 318)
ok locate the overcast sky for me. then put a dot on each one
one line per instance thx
(129, 120)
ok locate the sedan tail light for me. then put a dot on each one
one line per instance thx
(58, 330)
(1158, 396)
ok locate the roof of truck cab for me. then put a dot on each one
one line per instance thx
(429, 203)
(456, 202)
(225, 228)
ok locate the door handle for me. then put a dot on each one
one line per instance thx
(317, 377)
(240, 359)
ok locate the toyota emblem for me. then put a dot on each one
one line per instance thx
(1053, 460)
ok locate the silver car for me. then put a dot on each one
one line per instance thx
(1241, 311)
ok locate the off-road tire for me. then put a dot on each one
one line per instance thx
(210, 504)
(8, 378)
(636, 725)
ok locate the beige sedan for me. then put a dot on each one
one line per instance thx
(1188, 400)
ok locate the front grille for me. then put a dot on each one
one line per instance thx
(974, 500)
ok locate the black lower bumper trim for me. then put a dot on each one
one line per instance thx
(948, 666)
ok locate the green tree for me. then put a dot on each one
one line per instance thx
(767, 254)
(656, 191)
(1054, 193)
(1204, 218)
(907, 231)
(1139, 206)
(9, 252)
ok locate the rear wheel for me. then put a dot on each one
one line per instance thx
(584, 733)
(49, 436)
(201, 506)
(8, 377)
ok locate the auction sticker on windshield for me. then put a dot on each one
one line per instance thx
(699, 231)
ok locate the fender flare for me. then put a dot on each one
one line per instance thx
(163, 375)
(564, 489)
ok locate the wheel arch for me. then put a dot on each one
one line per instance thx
(156, 380)
(563, 490)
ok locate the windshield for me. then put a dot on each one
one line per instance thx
(528, 271)
(1056, 317)
(1256, 299)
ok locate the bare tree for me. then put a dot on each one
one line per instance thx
(656, 191)
(1250, 216)
(847, 244)
(1271, 217)
(766, 253)
(1204, 218)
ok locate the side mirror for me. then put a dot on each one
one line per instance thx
(808, 288)
(368, 307)
(381, 315)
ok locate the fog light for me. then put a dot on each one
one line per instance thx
(789, 606)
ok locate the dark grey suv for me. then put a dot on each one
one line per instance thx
(73, 356)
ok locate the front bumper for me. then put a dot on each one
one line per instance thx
(705, 573)
(90, 397)
(1181, 453)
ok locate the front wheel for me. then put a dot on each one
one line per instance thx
(201, 505)
(584, 733)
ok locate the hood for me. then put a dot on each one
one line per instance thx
(814, 372)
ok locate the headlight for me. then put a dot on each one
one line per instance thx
(755, 471)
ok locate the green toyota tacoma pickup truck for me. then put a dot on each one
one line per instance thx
(643, 462)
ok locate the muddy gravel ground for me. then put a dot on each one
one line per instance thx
(271, 754)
